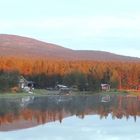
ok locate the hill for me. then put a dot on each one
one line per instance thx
(13, 45)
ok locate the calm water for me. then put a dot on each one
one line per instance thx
(71, 118)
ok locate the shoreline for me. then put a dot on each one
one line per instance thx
(43, 92)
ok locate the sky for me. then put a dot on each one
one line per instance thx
(105, 25)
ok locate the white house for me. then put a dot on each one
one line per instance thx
(25, 85)
(105, 87)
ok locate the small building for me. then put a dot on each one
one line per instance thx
(58, 86)
(63, 89)
(25, 85)
(105, 87)
(22, 82)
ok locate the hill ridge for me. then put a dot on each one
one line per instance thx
(15, 45)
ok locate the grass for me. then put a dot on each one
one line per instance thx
(21, 94)
(37, 93)
(43, 92)
(13, 95)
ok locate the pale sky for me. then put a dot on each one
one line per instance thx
(106, 25)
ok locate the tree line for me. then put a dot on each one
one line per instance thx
(86, 75)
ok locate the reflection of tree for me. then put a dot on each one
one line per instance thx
(8, 110)
(47, 109)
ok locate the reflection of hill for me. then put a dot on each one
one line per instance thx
(46, 109)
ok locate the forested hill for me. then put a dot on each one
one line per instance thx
(46, 64)
(13, 45)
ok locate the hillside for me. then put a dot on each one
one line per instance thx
(12, 45)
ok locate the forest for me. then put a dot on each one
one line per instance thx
(85, 75)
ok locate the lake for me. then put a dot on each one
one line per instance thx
(114, 117)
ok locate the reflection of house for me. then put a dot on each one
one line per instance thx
(26, 100)
(105, 87)
(25, 85)
(105, 98)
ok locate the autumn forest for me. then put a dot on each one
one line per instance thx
(86, 75)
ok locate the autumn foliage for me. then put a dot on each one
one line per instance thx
(122, 75)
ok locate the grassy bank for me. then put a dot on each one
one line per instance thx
(38, 92)
(43, 92)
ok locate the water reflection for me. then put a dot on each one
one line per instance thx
(31, 111)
